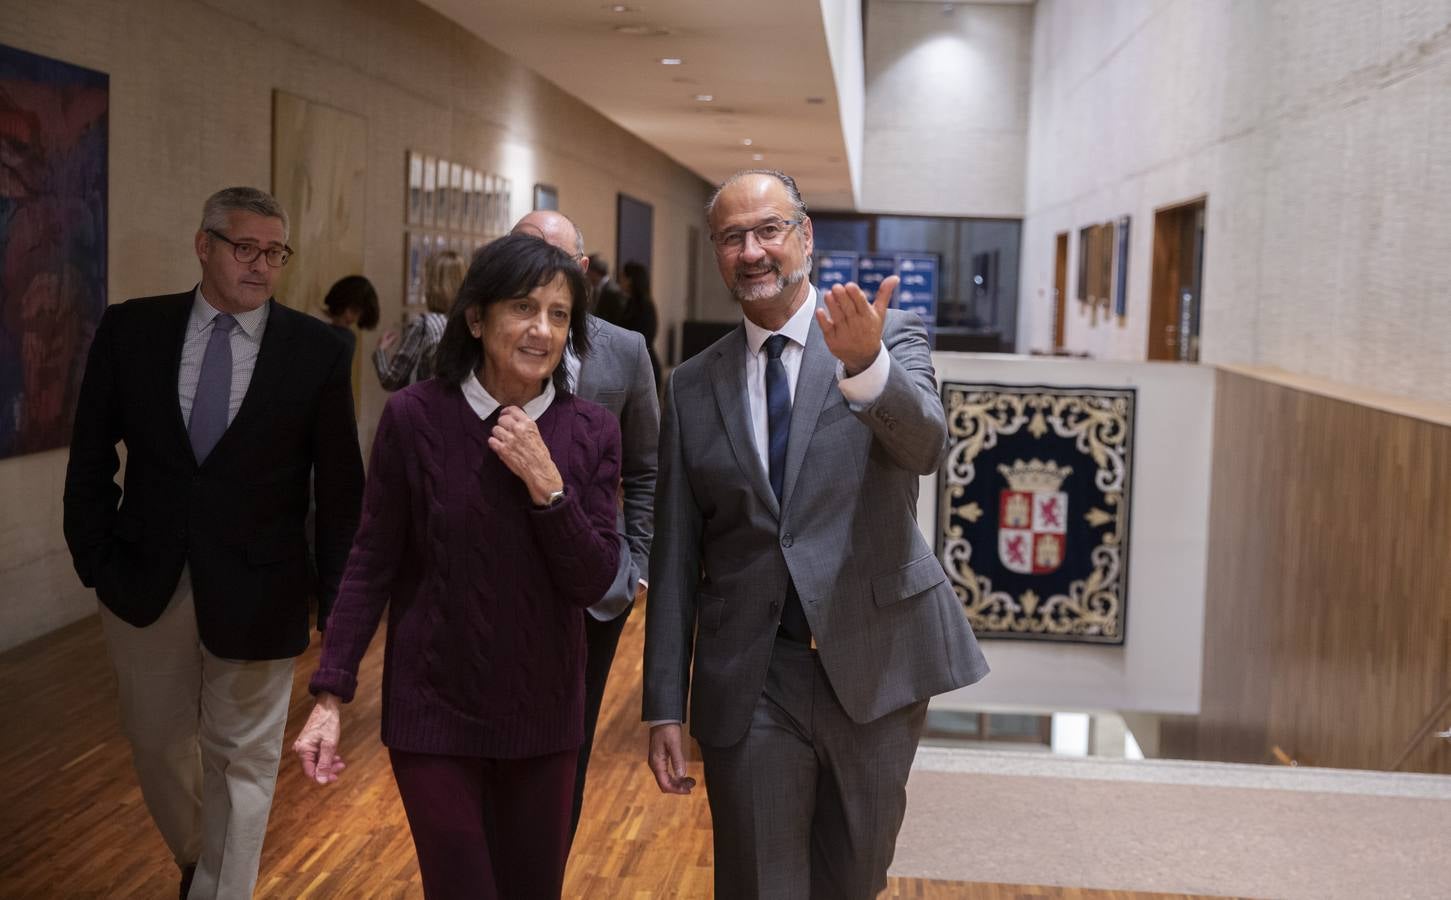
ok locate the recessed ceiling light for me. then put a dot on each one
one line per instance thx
(705, 98)
(747, 141)
(641, 30)
(758, 156)
(619, 8)
(671, 61)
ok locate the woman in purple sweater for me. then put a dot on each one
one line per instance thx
(488, 526)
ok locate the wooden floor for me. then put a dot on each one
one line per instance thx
(72, 823)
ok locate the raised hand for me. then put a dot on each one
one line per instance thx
(851, 326)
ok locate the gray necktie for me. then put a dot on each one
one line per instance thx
(213, 399)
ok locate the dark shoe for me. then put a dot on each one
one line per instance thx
(187, 872)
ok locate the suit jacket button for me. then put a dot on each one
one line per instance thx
(786, 540)
(775, 606)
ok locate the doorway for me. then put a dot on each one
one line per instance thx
(1060, 292)
(1176, 292)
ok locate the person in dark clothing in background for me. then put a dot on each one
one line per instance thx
(640, 313)
(351, 301)
(608, 300)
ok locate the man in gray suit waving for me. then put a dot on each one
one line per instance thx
(616, 375)
(788, 562)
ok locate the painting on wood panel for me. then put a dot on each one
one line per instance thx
(1033, 509)
(319, 163)
(54, 131)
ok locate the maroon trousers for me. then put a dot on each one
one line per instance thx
(488, 828)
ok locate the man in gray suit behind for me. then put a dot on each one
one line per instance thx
(788, 561)
(616, 375)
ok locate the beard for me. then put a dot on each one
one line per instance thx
(768, 290)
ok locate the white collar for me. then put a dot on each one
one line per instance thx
(202, 313)
(484, 404)
(796, 328)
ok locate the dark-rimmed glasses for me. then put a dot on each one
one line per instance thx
(768, 234)
(277, 257)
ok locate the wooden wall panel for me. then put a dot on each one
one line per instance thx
(1328, 614)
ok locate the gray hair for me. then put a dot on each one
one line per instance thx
(797, 204)
(241, 199)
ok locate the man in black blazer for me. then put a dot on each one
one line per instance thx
(235, 412)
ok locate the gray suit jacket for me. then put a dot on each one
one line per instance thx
(889, 628)
(616, 374)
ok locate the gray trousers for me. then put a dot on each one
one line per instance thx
(808, 803)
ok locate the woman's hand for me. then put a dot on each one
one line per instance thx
(517, 441)
(388, 340)
(317, 744)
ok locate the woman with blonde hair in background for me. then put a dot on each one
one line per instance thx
(402, 361)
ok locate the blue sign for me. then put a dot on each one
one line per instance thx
(918, 290)
(835, 267)
(872, 271)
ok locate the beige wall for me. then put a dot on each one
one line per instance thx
(191, 101)
(946, 108)
(1320, 133)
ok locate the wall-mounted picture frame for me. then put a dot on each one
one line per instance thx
(414, 212)
(430, 191)
(546, 196)
(1121, 269)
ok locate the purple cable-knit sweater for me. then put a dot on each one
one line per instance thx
(485, 592)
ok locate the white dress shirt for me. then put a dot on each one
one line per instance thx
(484, 404)
(246, 341)
(860, 390)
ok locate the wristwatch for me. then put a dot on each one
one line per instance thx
(554, 497)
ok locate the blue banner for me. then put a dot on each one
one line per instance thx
(918, 290)
(835, 267)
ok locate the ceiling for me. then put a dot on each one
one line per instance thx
(764, 64)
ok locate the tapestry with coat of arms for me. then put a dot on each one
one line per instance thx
(1033, 509)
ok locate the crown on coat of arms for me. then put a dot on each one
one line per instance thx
(1035, 475)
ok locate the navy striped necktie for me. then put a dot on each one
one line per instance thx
(778, 411)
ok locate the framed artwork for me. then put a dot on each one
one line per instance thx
(414, 211)
(1121, 269)
(415, 253)
(546, 196)
(54, 133)
(476, 223)
(442, 199)
(1033, 504)
(430, 191)
(455, 195)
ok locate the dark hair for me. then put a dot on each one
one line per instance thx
(798, 205)
(353, 292)
(597, 264)
(507, 269)
(639, 277)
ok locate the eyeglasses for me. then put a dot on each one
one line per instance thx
(277, 257)
(768, 234)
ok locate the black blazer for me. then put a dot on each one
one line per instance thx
(239, 518)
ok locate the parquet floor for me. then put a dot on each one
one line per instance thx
(72, 823)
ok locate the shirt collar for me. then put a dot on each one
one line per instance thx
(202, 313)
(484, 404)
(796, 328)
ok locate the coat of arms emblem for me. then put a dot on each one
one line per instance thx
(1033, 517)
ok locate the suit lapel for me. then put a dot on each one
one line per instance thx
(728, 378)
(177, 315)
(598, 339)
(267, 376)
(813, 385)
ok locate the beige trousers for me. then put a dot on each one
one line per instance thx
(206, 736)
